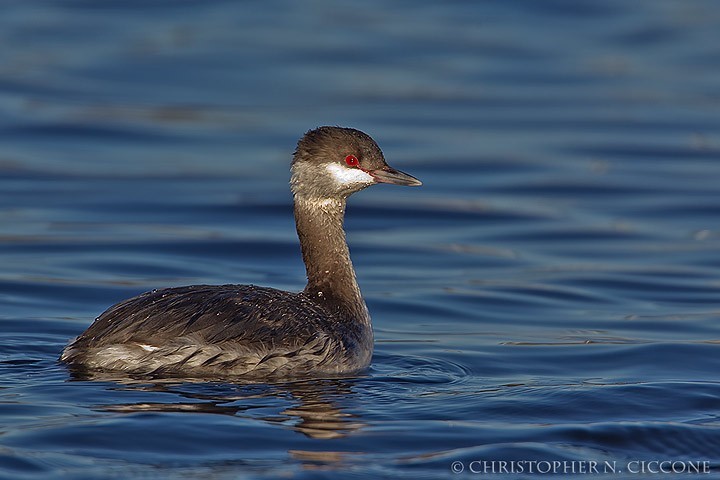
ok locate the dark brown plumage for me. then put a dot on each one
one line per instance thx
(245, 330)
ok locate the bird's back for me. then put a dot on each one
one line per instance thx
(224, 330)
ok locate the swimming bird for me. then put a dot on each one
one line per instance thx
(251, 331)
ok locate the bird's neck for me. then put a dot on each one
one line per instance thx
(330, 273)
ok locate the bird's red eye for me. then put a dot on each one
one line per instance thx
(352, 160)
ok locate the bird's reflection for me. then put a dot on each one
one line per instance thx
(316, 409)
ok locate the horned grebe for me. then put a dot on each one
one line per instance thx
(245, 330)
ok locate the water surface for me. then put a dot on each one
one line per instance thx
(552, 292)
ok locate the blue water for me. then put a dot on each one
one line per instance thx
(552, 292)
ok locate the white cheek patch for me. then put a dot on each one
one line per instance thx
(348, 176)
